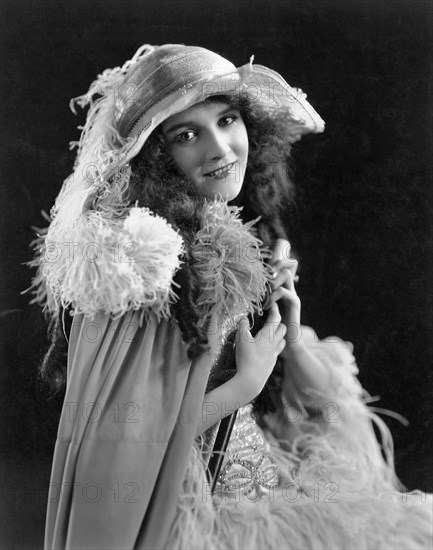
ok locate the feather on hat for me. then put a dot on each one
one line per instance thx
(92, 211)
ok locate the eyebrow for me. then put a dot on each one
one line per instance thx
(193, 123)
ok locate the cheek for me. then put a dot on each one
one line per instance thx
(241, 144)
(184, 158)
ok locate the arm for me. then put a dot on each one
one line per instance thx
(255, 360)
(305, 375)
(222, 401)
(304, 370)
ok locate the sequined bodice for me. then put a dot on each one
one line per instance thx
(248, 466)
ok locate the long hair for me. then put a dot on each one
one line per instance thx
(157, 183)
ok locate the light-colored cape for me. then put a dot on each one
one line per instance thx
(127, 471)
(126, 431)
(133, 397)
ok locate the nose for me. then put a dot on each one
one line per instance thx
(217, 145)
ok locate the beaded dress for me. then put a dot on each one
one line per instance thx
(249, 465)
(310, 480)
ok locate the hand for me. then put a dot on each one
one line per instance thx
(256, 357)
(284, 292)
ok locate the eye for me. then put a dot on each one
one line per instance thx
(185, 136)
(226, 120)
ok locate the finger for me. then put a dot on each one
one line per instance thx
(284, 278)
(274, 317)
(244, 327)
(244, 324)
(289, 283)
(285, 262)
(275, 333)
(291, 264)
(281, 345)
(281, 331)
(282, 293)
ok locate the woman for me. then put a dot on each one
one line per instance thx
(150, 252)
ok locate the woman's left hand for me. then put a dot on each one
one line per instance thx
(284, 292)
(306, 376)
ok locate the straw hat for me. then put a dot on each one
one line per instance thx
(125, 105)
(165, 80)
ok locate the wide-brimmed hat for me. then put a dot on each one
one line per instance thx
(168, 79)
(160, 81)
(127, 103)
(93, 207)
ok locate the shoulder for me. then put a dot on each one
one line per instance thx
(109, 265)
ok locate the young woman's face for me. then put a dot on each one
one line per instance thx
(209, 143)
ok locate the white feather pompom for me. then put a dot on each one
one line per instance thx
(111, 265)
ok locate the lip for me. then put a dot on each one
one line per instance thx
(220, 173)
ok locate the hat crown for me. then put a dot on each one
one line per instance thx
(161, 72)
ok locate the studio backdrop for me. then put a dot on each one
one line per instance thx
(361, 227)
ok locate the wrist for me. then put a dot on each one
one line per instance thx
(244, 389)
(307, 372)
(295, 346)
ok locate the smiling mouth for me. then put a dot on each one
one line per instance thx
(220, 172)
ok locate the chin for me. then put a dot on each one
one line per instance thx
(225, 195)
(229, 193)
(231, 196)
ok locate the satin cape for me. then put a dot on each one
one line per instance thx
(128, 423)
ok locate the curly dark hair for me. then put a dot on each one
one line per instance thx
(157, 183)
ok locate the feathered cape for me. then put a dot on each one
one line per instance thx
(125, 457)
(116, 264)
(136, 397)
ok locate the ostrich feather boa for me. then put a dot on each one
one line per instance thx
(335, 488)
(228, 259)
(118, 264)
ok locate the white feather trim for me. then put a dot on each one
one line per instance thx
(289, 519)
(343, 494)
(110, 265)
(113, 264)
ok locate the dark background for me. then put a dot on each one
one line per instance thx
(362, 228)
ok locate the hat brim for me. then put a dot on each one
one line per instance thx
(261, 84)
